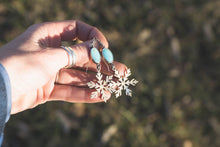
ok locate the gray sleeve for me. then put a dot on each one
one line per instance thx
(5, 98)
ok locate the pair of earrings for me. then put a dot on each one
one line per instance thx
(96, 56)
(102, 86)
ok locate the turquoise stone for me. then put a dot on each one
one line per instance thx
(96, 57)
(107, 54)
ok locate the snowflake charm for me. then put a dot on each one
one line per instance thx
(123, 83)
(101, 86)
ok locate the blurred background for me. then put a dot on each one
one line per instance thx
(173, 50)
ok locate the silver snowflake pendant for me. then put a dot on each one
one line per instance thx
(101, 87)
(116, 87)
(123, 83)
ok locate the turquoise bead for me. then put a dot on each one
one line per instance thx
(96, 57)
(107, 54)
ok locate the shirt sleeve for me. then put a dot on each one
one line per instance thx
(5, 99)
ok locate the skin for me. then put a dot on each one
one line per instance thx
(34, 59)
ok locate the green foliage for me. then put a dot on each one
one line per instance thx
(172, 47)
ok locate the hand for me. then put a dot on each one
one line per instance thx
(34, 58)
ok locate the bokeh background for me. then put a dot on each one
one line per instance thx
(172, 48)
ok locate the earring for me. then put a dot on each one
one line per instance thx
(108, 56)
(95, 55)
(123, 82)
(116, 87)
(101, 86)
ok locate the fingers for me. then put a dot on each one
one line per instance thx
(71, 86)
(74, 94)
(74, 77)
(81, 31)
(81, 77)
(53, 59)
(69, 30)
(77, 29)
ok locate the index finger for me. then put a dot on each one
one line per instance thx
(74, 29)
